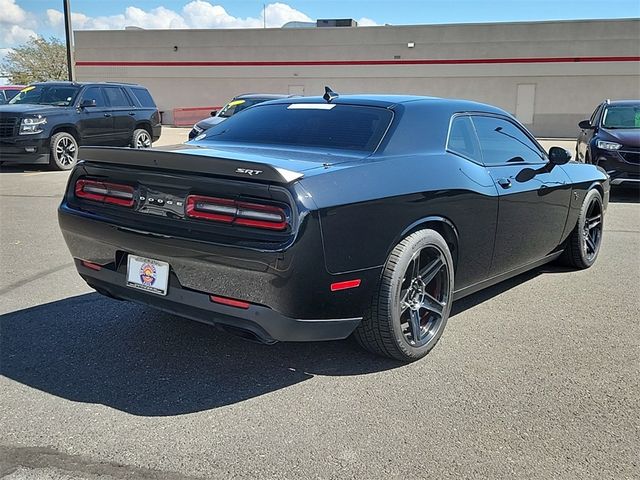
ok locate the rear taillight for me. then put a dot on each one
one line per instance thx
(105, 192)
(235, 212)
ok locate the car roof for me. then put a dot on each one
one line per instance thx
(624, 102)
(82, 84)
(389, 101)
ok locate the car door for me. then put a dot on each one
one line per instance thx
(586, 134)
(123, 112)
(95, 122)
(533, 195)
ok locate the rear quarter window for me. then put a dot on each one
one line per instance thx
(144, 97)
(344, 127)
(463, 140)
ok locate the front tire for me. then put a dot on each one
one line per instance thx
(141, 138)
(64, 151)
(583, 245)
(410, 308)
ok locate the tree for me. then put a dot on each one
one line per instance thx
(37, 60)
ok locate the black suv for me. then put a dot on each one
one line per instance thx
(46, 122)
(611, 140)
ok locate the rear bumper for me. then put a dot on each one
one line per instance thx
(290, 284)
(156, 132)
(265, 323)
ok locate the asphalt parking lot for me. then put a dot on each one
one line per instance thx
(538, 377)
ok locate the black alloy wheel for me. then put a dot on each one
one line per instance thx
(583, 244)
(424, 296)
(411, 305)
(592, 229)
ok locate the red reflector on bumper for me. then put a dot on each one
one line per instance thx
(230, 302)
(345, 285)
(92, 266)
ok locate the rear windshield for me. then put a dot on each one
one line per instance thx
(58, 95)
(144, 97)
(345, 127)
(623, 116)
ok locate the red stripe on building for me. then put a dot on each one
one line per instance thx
(462, 61)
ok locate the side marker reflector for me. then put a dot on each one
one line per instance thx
(92, 266)
(230, 302)
(345, 285)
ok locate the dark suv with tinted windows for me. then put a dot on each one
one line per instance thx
(611, 140)
(46, 122)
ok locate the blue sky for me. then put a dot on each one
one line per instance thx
(383, 11)
(20, 19)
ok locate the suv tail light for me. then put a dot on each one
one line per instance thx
(238, 213)
(104, 192)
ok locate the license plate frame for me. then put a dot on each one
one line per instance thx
(148, 274)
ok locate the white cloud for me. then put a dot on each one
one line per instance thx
(367, 22)
(195, 14)
(15, 35)
(12, 13)
(159, 17)
(277, 14)
(201, 14)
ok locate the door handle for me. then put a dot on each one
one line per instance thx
(504, 182)
(107, 115)
(132, 113)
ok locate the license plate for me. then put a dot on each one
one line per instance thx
(147, 274)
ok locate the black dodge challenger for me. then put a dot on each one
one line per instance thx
(320, 217)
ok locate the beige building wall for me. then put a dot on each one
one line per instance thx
(551, 74)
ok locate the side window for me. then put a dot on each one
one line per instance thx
(94, 93)
(116, 97)
(144, 97)
(463, 140)
(502, 142)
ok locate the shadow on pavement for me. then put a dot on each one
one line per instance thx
(144, 362)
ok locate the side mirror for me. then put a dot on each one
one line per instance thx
(585, 125)
(88, 103)
(214, 113)
(559, 156)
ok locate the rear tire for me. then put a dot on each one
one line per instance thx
(63, 151)
(583, 245)
(410, 308)
(141, 138)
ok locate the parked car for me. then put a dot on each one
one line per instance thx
(237, 104)
(314, 218)
(611, 139)
(46, 122)
(7, 92)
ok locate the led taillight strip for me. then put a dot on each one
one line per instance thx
(105, 192)
(238, 213)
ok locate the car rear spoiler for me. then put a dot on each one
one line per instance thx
(190, 161)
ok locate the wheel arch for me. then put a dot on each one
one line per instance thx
(67, 128)
(144, 124)
(442, 225)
